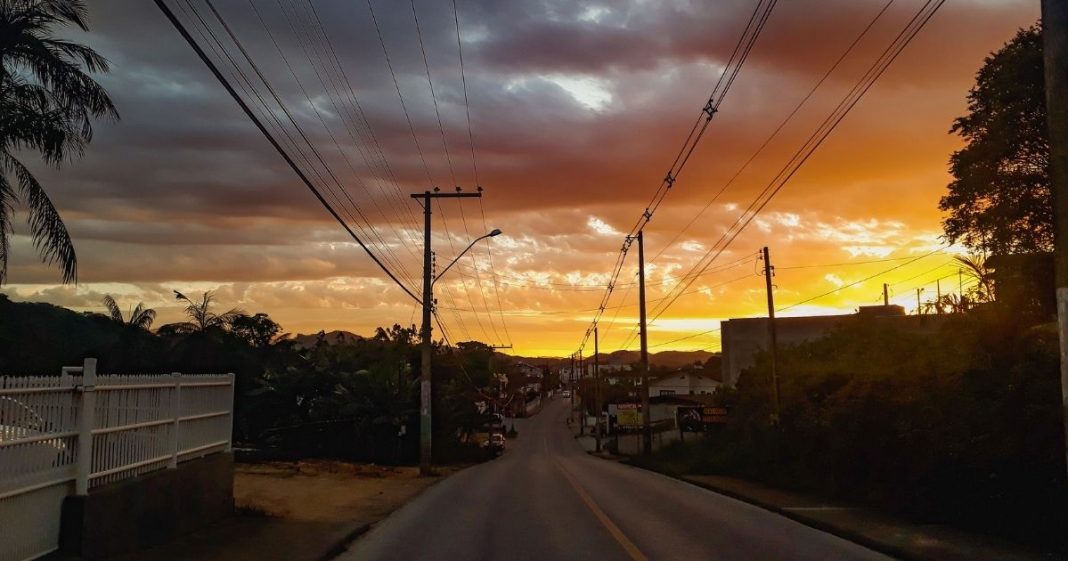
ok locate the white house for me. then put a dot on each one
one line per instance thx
(683, 383)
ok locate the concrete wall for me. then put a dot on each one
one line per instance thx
(149, 510)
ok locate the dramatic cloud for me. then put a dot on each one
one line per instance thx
(577, 110)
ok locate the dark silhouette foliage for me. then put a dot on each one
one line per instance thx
(1000, 199)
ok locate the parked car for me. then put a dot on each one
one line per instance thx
(567, 393)
(495, 443)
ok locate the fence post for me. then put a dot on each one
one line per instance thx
(85, 427)
(230, 434)
(176, 416)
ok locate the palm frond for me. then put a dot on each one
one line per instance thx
(113, 308)
(49, 234)
(142, 317)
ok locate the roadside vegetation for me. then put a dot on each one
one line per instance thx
(963, 426)
(349, 398)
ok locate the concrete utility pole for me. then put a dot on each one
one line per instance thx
(773, 343)
(597, 380)
(425, 437)
(1055, 48)
(647, 429)
(886, 294)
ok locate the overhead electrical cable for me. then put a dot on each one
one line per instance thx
(180, 27)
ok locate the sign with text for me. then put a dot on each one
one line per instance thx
(628, 416)
(699, 418)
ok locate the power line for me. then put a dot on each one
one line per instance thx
(180, 27)
(818, 137)
(741, 51)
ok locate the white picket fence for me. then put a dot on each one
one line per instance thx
(62, 435)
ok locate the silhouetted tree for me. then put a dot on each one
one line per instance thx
(201, 316)
(140, 317)
(1000, 199)
(47, 103)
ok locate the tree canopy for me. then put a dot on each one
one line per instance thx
(47, 103)
(1000, 199)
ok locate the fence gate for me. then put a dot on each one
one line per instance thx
(63, 435)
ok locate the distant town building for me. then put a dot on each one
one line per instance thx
(744, 338)
(683, 382)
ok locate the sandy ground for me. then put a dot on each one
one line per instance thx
(326, 491)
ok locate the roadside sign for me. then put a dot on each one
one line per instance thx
(698, 418)
(628, 416)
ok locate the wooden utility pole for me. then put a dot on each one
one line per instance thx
(1055, 49)
(647, 429)
(425, 437)
(886, 294)
(919, 307)
(597, 381)
(773, 343)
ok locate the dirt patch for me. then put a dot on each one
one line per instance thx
(327, 491)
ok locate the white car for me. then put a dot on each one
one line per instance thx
(567, 393)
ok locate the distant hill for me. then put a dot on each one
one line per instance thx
(331, 337)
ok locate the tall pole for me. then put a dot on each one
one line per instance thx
(919, 307)
(773, 342)
(597, 381)
(571, 387)
(886, 294)
(582, 402)
(1055, 49)
(425, 438)
(938, 299)
(426, 350)
(647, 429)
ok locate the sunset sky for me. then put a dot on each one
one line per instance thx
(577, 110)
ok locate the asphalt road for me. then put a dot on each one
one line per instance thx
(546, 499)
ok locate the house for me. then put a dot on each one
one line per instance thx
(683, 382)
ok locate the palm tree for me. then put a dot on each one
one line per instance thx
(974, 267)
(201, 317)
(47, 102)
(140, 317)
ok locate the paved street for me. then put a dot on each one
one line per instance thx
(546, 499)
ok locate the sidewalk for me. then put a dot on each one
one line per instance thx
(904, 540)
(303, 511)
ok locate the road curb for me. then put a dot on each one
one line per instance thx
(890, 548)
(342, 544)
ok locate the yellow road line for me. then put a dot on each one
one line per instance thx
(628, 546)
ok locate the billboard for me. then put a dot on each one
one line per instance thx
(699, 418)
(628, 416)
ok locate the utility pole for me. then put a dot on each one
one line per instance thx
(582, 402)
(647, 429)
(938, 298)
(571, 388)
(425, 437)
(773, 343)
(886, 294)
(597, 380)
(919, 307)
(1055, 49)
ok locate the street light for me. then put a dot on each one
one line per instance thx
(426, 351)
(495, 232)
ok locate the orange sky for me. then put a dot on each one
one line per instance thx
(577, 110)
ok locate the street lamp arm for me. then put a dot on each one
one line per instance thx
(495, 232)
